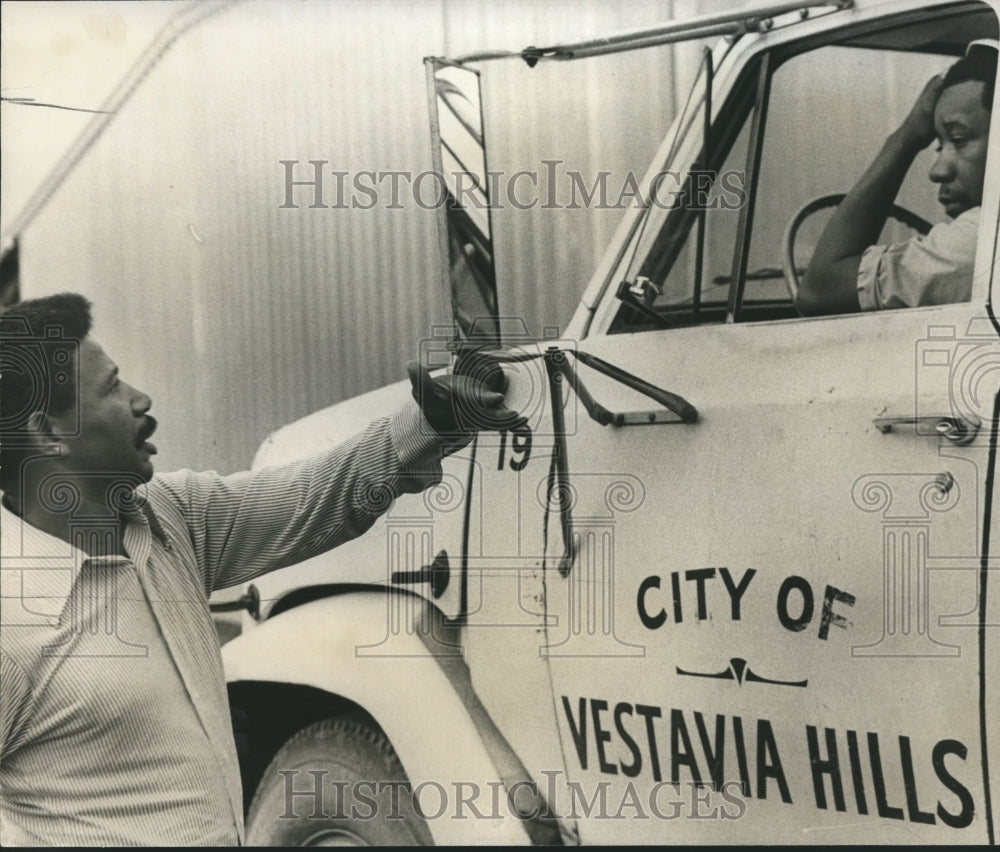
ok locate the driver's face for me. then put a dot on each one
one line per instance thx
(962, 125)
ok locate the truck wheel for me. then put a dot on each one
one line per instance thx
(361, 799)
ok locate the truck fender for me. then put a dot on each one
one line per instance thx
(346, 645)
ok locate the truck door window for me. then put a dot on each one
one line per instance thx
(829, 112)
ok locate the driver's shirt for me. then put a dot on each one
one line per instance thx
(114, 717)
(933, 269)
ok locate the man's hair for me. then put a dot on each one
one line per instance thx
(979, 65)
(39, 347)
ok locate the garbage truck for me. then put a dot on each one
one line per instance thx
(735, 578)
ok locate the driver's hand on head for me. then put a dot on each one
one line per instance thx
(919, 123)
(457, 406)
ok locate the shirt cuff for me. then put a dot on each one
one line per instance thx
(868, 278)
(416, 441)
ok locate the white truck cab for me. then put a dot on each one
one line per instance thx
(736, 579)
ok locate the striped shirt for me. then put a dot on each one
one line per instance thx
(114, 717)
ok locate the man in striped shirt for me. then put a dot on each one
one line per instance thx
(114, 718)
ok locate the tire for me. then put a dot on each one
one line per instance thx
(353, 753)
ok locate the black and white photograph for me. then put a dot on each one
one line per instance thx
(499, 422)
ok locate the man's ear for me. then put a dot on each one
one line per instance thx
(42, 435)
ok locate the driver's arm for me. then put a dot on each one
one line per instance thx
(831, 284)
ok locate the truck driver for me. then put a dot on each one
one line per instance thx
(849, 272)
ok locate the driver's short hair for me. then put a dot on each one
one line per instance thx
(979, 64)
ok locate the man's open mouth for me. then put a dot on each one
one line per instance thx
(145, 433)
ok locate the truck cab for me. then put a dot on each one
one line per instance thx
(735, 580)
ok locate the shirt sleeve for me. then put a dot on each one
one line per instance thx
(933, 269)
(249, 523)
(16, 697)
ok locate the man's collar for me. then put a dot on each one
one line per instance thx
(37, 572)
(24, 546)
(137, 511)
(19, 539)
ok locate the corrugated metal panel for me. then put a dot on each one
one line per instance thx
(238, 316)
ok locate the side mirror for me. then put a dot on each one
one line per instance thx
(465, 232)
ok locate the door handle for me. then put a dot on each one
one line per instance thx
(957, 430)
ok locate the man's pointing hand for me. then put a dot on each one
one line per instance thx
(456, 406)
